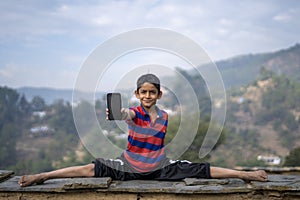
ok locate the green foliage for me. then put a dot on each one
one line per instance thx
(275, 103)
(11, 114)
(278, 103)
(51, 147)
(293, 159)
(265, 74)
(192, 153)
(32, 166)
(285, 92)
(62, 117)
(249, 136)
(198, 86)
(7, 145)
(38, 103)
(252, 162)
(24, 106)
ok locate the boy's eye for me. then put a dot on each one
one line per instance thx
(145, 91)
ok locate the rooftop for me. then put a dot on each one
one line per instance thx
(278, 187)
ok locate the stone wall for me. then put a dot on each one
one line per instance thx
(278, 187)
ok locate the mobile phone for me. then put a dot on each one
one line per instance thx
(114, 105)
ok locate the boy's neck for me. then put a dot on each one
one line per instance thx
(152, 110)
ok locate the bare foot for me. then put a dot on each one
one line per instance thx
(31, 179)
(259, 175)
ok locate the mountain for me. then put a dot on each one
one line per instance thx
(263, 118)
(236, 71)
(241, 70)
(50, 94)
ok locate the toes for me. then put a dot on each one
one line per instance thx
(24, 181)
(263, 175)
(21, 181)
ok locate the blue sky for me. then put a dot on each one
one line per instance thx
(44, 43)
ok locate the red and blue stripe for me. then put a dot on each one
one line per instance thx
(145, 148)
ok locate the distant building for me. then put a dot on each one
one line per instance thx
(270, 160)
(41, 130)
(40, 114)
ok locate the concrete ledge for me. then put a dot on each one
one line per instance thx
(278, 187)
(4, 174)
(57, 185)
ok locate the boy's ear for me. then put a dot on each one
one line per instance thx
(136, 94)
(159, 95)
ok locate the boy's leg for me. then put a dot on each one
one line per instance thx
(218, 172)
(69, 172)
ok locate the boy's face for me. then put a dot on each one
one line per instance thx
(148, 95)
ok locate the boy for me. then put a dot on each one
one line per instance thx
(144, 157)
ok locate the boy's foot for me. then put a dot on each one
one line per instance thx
(259, 175)
(30, 180)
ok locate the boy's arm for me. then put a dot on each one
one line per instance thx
(127, 114)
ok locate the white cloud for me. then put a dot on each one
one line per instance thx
(5, 73)
(226, 22)
(57, 35)
(282, 17)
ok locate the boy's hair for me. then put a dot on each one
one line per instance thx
(149, 78)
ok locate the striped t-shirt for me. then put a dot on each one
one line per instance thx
(145, 148)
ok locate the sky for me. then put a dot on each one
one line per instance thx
(45, 43)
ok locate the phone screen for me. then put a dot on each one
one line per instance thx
(114, 105)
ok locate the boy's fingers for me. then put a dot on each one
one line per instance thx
(107, 113)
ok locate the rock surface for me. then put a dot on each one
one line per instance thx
(278, 187)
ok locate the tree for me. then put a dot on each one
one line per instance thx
(38, 103)
(24, 106)
(62, 117)
(293, 159)
(7, 145)
(192, 153)
(10, 124)
(197, 84)
(266, 74)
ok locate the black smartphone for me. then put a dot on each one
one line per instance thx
(114, 105)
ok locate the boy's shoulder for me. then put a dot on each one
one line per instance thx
(162, 113)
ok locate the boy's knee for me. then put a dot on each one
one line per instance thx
(90, 169)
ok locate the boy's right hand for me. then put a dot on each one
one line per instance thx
(107, 113)
(127, 114)
(123, 112)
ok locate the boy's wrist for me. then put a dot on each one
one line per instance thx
(125, 114)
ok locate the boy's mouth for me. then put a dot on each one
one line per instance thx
(147, 100)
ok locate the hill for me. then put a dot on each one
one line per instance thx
(241, 70)
(50, 95)
(236, 71)
(263, 118)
